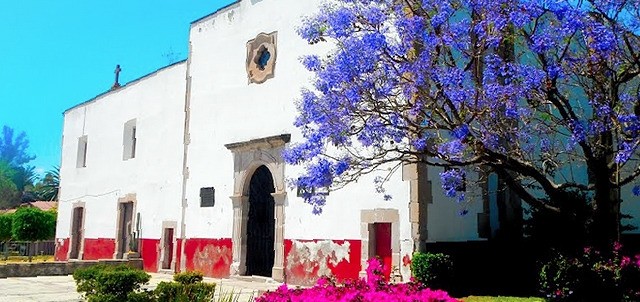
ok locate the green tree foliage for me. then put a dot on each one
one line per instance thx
(47, 187)
(13, 152)
(32, 224)
(5, 227)
(24, 180)
(9, 194)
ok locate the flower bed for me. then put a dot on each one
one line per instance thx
(374, 288)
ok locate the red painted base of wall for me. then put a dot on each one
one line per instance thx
(210, 256)
(303, 267)
(150, 253)
(178, 254)
(100, 248)
(62, 249)
(213, 257)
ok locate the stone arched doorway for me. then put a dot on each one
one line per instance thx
(260, 224)
(261, 158)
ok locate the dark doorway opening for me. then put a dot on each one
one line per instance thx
(124, 229)
(260, 224)
(76, 232)
(380, 240)
(167, 248)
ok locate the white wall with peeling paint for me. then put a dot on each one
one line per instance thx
(223, 108)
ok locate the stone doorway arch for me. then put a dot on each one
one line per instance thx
(260, 224)
(248, 157)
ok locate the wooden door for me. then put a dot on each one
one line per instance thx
(126, 227)
(77, 232)
(167, 248)
(383, 246)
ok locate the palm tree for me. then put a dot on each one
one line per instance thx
(47, 188)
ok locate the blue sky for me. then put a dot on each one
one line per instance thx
(56, 54)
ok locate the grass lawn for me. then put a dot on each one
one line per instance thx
(19, 259)
(500, 299)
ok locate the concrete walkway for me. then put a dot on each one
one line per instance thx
(63, 288)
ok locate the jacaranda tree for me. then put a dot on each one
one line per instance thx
(544, 93)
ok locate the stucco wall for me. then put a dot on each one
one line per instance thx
(223, 108)
(154, 175)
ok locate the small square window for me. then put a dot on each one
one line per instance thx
(207, 197)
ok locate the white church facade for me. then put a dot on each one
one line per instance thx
(184, 165)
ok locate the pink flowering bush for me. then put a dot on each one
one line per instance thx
(373, 289)
(592, 276)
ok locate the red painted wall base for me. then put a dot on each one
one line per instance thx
(150, 253)
(210, 256)
(99, 248)
(304, 265)
(213, 257)
(62, 249)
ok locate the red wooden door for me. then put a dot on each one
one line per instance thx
(383, 246)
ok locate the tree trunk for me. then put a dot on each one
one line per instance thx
(6, 250)
(30, 256)
(605, 229)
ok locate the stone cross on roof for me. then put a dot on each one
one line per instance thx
(116, 84)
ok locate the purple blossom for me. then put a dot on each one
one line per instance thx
(312, 63)
(394, 80)
(452, 182)
(625, 152)
(461, 131)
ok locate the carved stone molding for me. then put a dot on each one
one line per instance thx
(261, 57)
(367, 219)
(81, 205)
(247, 157)
(128, 198)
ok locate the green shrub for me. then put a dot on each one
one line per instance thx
(103, 283)
(167, 291)
(5, 227)
(33, 224)
(144, 296)
(86, 279)
(592, 276)
(434, 270)
(188, 277)
(180, 292)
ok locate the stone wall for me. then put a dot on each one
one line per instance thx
(57, 268)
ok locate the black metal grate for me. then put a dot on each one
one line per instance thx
(207, 197)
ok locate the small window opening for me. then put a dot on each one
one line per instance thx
(207, 197)
(82, 152)
(133, 142)
(263, 58)
(129, 140)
